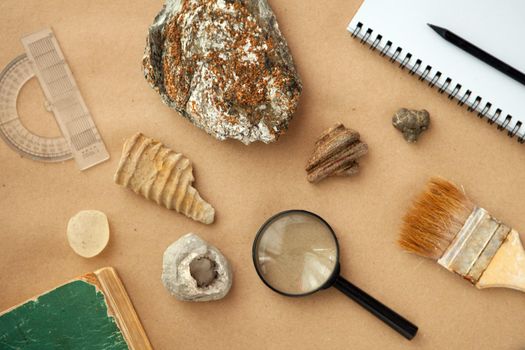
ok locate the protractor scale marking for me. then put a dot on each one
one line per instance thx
(80, 137)
(12, 130)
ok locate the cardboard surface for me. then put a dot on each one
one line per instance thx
(104, 41)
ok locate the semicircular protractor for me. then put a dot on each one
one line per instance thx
(12, 130)
(80, 138)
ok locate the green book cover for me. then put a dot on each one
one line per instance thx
(73, 316)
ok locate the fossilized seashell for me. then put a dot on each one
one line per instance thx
(193, 270)
(336, 153)
(162, 175)
(411, 123)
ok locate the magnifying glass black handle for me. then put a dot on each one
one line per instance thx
(406, 328)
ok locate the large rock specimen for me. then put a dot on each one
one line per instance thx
(225, 66)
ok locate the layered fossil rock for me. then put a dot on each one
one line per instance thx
(162, 175)
(193, 270)
(411, 123)
(225, 66)
(336, 153)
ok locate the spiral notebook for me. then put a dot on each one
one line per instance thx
(398, 30)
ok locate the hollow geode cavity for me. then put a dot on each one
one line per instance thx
(225, 66)
(194, 270)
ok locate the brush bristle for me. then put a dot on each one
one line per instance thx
(435, 218)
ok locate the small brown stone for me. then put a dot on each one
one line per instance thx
(411, 123)
(336, 153)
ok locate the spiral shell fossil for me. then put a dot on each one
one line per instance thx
(162, 175)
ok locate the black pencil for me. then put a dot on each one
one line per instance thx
(479, 53)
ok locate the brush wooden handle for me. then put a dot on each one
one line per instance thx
(507, 267)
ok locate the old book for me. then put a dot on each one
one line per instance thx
(89, 312)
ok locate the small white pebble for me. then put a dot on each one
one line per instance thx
(88, 232)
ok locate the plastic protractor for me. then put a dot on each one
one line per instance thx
(12, 130)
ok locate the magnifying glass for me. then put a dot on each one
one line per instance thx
(296, 253)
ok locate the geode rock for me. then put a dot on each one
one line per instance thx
(193, 270)
(411, 123)
(225, 66)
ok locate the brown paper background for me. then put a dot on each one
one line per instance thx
(103, 42)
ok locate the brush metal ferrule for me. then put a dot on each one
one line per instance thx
(475, 245)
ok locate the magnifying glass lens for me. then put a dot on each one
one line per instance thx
(296, 253)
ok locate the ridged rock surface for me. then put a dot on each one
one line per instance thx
(161, 175)
(225, 66)
(336, 153)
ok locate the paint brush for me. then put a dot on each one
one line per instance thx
(445, 225)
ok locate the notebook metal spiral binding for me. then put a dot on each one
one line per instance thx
(434, 79)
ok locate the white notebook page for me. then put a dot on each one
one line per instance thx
(495, 26)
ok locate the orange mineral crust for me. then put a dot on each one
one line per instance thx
(225, 66)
